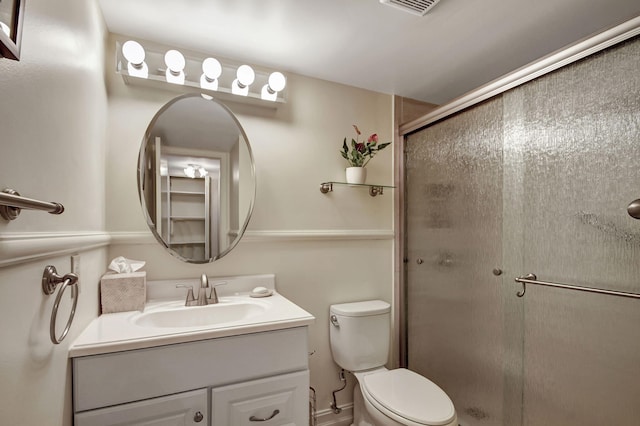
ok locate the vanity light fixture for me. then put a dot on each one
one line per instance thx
(245, 77)
(211, 70)
(175, 63)
(225, 79)
(276, 83)
(134, 53)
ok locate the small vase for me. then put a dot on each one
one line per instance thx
(356, 175)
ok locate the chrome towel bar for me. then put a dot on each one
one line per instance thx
(11, 202)
(533, 279)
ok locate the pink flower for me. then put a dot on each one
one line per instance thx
(360, 147)
(373, 138)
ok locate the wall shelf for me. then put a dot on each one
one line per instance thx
(374, 189)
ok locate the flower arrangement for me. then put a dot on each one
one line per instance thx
(361, 152)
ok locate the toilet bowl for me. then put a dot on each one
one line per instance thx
(360, 343)
(402, 397)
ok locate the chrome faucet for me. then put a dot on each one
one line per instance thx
(202, 293)
(202, 299)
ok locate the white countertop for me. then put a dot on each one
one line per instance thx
(118, 332)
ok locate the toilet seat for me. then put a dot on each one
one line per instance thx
(408, 397)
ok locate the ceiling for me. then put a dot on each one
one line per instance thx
(457, 46)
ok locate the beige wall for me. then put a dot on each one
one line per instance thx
(52, 139)
(323, 249)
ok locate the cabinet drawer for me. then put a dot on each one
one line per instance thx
(274, 401)
(183, 409)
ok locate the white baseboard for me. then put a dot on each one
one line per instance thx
(329, 418)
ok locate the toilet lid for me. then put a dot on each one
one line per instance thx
(410, 396)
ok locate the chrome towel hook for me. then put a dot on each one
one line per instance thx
(50, 279)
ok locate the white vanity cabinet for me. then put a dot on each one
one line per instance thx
(250, 379)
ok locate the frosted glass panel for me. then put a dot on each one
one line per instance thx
(454, 206)
(536, 180)
(579, 129)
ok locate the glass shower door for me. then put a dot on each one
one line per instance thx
(572, 157)
(536, 180)
(454, 243)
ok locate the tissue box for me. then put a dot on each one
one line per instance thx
(123, 292)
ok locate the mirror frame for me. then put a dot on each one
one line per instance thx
(140, 179)
(10, 45)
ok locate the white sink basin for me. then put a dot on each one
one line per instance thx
(201, 316)
(165, 320)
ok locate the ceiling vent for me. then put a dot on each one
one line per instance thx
(415, 7)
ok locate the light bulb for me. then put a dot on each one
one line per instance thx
(175, 63)
(134, 53)
(211, 70)
(240, 85)
(190, 171)
(245, 75)
(277, 81)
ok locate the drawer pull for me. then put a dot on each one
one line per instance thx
(198, 417)
(256, 419)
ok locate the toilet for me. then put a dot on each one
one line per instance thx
(359, 334)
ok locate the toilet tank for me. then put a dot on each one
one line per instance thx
(360, 334)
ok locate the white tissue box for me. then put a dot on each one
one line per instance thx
(123, 292)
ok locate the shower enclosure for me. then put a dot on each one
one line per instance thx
(535, 180)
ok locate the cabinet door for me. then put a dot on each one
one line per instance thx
(187, 408)
(274, 401)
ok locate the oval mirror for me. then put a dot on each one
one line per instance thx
(196, 178)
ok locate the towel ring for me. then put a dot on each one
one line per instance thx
(50, 279)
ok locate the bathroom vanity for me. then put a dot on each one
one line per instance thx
(245, 363)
